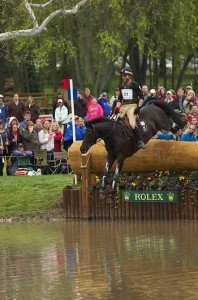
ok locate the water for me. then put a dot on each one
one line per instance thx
(99, 260)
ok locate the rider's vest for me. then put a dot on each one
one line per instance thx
(127, 96)
(130, 94)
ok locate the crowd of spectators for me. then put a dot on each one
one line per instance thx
(20, 123)
(184, 101)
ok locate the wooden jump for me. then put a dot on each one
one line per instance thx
(84, 203)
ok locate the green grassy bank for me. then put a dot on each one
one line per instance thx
(32, 196)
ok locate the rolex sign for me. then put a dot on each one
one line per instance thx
(149, 196)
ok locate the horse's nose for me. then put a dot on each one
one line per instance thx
(83, 150)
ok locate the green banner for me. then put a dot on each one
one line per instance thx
(149, 196)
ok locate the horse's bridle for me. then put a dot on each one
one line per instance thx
(96, 136)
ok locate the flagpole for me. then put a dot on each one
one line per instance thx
(73, 121)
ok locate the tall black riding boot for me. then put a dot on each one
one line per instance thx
(141, 144)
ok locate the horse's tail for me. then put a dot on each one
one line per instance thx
(176, 117)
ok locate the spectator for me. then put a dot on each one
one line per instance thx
(54, 106)
(114, 97)
(26, 118)
(30, 138)
(169, 97)
(104, 104)
(3, 146)
(165, 135)
(46, 139)
(193, 113)
(162, 95)
(178, 103)
(189, 101)
(38, 125)
(88, 97)
(61, 114)
(94, 110)
(151, 97)
(14, 138)
(80, 106)
(145, 91)
(68, 137)
(7, 123)
(33, 108)
(173, 94)
(159, 87)
(16, 108)
(58, 136)
(3, 111)
(113, 108)
(82, 128)
(19, 151)
(189, 135)
(194, 121)
(188, 88)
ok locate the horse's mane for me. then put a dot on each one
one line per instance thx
(100, 120)
(170, 112)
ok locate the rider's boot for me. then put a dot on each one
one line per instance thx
(141, 144)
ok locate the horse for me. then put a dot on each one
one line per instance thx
(120, 142)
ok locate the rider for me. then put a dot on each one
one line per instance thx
(130, 98)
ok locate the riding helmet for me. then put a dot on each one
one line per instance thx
(126, 70)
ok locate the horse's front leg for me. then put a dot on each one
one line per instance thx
(116, 174)
(106, 174)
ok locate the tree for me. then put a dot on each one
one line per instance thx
(38, 29)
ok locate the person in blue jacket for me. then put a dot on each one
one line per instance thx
(3, 110)
(105, 104)
(189, 135)
(80, 130)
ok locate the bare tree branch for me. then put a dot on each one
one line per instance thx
(29, 9)
(41, 5)
(38, 29)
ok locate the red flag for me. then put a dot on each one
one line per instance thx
(65, 84)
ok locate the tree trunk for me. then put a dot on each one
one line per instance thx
(2, 68)
(183, 70)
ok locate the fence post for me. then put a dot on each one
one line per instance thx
(86, 183)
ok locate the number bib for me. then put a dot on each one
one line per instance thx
(127, 94)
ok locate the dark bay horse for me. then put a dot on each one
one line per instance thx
(120, 142)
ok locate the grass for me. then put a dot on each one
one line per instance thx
(32, 196)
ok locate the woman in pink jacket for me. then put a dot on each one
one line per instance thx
(94, 110)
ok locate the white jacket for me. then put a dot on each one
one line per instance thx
(45, 142)
(61, 114)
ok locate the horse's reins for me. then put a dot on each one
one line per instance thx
(96, 134)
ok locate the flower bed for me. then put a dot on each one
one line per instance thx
(157, 180)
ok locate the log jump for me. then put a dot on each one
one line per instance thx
(84, 202)
(158, 155)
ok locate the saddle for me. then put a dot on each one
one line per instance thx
(129, 130)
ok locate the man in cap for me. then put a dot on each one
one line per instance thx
(129, 101)
(105, 104)
(61, 115)
(54, 106)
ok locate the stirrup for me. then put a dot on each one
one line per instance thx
(141, 145)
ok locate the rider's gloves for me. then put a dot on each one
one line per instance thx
(117, 110)
(137, 110)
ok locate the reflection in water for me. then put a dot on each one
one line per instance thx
(99, 260)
